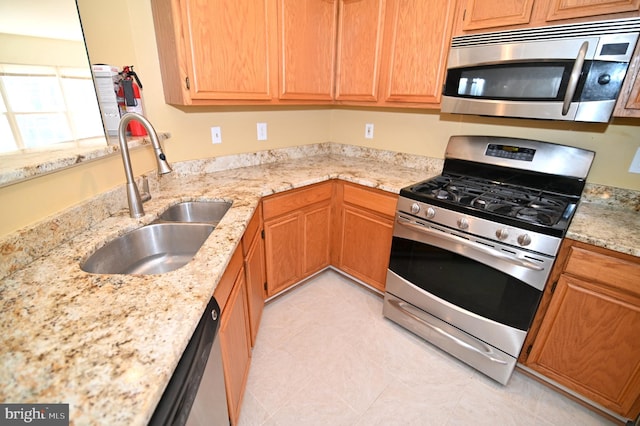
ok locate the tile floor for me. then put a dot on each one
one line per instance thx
(326, 356)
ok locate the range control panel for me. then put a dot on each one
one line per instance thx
(511, 152)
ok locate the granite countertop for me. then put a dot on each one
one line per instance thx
(609, 226)
(108, 344)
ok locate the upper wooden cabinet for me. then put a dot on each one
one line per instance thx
(417, 38)
(307, 40)
(356, 52)
(628, 104)
(571, 9)
(351, 51)
(495, 15)
(359, 50)
(482, 14)
(216, 50)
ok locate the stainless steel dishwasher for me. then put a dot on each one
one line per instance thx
(196, 393)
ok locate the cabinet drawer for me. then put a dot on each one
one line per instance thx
(224, 287)
(372, 199)
(615, 272)
(276, 205)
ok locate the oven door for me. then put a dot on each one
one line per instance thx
(476, 285)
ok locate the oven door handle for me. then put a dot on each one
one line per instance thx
(479, 247)
(483, 350)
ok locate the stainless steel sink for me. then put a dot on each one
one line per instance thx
(196, 211)
(152, 249)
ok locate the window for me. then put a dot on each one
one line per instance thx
(43, 106)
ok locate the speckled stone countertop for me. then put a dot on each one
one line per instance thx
(108, 344)
(609, 218)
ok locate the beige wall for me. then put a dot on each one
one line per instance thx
(121, 32)
(427, 132)
(41, 51)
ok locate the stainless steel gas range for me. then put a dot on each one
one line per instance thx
(473, 247)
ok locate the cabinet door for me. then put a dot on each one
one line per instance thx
(283, 252)
(216, 52)
(236, 347)
(228, 48)
(588, 342)
(366, 245)
(417, 38)
(628, 104)
(481, 14)
(307, 43)
(568, 9)
(255, 273)
(317, 234)
(360, 31)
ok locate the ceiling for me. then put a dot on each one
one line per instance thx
(40, 18)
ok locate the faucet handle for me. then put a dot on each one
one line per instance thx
(146, 194)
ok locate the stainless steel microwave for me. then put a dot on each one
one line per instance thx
(565, 72)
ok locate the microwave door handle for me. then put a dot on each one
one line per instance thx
(476, 246)
(575, 76)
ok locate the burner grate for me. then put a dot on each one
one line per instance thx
(525, 204)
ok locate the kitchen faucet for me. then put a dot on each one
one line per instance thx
(133, 195)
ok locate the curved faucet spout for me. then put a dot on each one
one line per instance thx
(133, 195)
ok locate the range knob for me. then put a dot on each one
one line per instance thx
(415, 208)
(463, 223)
(431, 212)
(502, 234)
(524, 239)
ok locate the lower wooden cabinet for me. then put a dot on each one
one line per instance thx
(297, 234)
(253, 251)
(305, 230)
(235, 340)
(364, 223)
(588, 338)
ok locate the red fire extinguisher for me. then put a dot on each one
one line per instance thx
(129, 99)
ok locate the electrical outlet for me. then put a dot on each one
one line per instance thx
(262, 131)
(635, 163)
(216, 135)
(368, 131)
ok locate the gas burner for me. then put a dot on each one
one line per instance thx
(527, 213)
(502, 199)
(441, 194)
